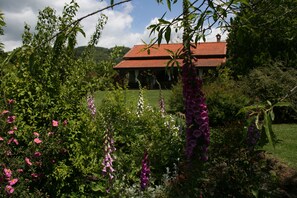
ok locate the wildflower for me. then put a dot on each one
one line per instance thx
(91, 105)
(9, 189)
(11, 132)
(20, 170)
(65, 122)
(15, 141)
(10, 119)
(34, 175)
(10, 140)
(162, 105)
(11, 101)
(50, 133)
(36, 134)
(1, 138)
(7, 173)
(145, 172)
(55, 123)
(27, 160)
(37, 141)
(253, 136)
(37, 154)
(108, 150)
(140, 103)
(13, 182)
(197, 122)
(4, 112)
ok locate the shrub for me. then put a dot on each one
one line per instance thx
(176, 102)
(224, 97)
(273, 83)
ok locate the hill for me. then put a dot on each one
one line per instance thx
(101, 53)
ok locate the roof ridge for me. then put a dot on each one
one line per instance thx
(211, 42)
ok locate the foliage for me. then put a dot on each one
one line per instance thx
(261, 32)
(224, 97)
(202, 17)
(273, 83)
(101, 53)
(233, 170)
(150, 131)
(176, 101)
(49, 84)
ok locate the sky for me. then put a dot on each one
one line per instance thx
(126, 26)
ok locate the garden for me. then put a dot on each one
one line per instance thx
(69, 127)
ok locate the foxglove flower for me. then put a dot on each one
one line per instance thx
(162, 105)
(108, 154)
(145, 172)
(140, 104)
(197, 122)
(253, 136)
(91, 105)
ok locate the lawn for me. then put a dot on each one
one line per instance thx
(151, 97)
(286, 149)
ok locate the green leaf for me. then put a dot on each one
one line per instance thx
(169, 4)
(167, 34)
(283, 104)
(160, 35)
(268, 128)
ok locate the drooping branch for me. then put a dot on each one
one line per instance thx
(76, 22)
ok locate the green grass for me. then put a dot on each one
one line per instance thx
(286, 149)
(151, 97)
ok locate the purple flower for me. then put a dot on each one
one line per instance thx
(7, 173)
(108, 151)
(253, 136)
(9, 189)
(13, 181)
(197, 121)
(10, 119)
(91, 105)
(145, 172)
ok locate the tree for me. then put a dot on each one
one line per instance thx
(263, 31)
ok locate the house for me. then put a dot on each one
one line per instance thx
(148, 68)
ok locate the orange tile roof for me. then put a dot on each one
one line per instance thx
(208, 54)
(202, 49)
(161, 63)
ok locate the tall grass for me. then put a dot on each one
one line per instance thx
(286, 149)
